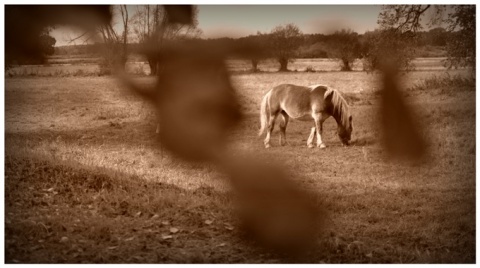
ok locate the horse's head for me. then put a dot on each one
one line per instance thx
(345, 132)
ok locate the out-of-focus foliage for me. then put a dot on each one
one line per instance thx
(26, 27)
(283, 42)
(43, 45)
(114, 46)
(401, 132)
(152, 30)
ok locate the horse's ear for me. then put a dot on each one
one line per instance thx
(350, 118)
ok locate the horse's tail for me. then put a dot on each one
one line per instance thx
(264, 113)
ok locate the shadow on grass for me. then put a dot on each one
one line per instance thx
(139, 133)
(71, 213)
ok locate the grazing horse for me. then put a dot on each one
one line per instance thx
(305, 103)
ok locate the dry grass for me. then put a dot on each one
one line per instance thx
(82, 163)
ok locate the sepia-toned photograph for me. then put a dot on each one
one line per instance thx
(239, 134)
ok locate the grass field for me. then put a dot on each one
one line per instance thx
(88, 66)
(87, 183)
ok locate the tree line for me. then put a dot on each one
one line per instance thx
(399, 37)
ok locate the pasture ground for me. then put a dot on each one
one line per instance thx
(85, 181)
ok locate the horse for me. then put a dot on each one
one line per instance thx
(317, 102)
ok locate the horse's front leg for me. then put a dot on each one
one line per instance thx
(319, 127)
(311, 137)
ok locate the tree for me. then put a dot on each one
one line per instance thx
(114, 45)
(461, 47)
(396, 39)
(406, 19)
(113, 54)
(403, 18)
(345, 46)
(436, 37)
(152, 31)
(124, 13)
(284, 40)
(384, 45)
(27, 28)
(253, 47)
(42, 45)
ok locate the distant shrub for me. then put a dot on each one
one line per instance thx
(309, 69)
(79, 72)
(104, 69)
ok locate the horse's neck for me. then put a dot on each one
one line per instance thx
(338, 117)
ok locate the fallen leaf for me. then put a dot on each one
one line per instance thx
(154, 217)
(130, 238)
(138, 214)
(166, 237)
(173, 230)
(165, 223)
(64, 239)
(369, 255)
(113, 247)
(208, 222)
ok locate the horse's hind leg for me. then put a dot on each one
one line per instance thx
(270, 126)
(283, 128)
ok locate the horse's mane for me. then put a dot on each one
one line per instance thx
(339, 105)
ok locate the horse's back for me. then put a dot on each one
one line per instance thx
(298, 101)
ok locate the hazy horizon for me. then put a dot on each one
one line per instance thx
(236, 21)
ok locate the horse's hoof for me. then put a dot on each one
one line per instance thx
(322, 146)
(267, 146)
(310, 146)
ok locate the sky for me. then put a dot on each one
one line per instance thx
(242, 20)
(237, 21)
